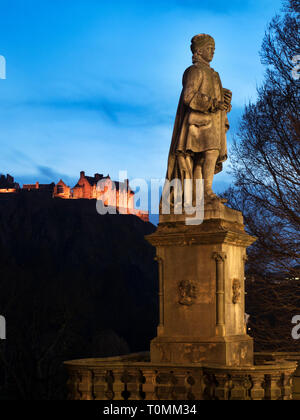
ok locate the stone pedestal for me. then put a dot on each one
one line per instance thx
(201, 351)
(202, 296)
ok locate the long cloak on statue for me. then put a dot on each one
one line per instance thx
(199, 126)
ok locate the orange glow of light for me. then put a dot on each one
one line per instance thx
(7, 190)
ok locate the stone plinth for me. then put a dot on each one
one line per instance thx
(201, 275)
(134, 377)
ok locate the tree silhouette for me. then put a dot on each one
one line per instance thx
(265, 163)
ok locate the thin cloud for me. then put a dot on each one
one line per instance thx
(127, 114)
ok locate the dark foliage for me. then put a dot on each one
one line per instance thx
(74, 284)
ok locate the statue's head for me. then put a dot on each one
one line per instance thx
(204, 46)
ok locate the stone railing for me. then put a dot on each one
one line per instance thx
(134, 377)
(275, 357)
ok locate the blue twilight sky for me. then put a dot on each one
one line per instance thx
(94, 85)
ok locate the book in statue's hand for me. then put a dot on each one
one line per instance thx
(227, 96)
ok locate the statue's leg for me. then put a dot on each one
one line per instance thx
(198, 166)
(189, 159)
(188, 189)
(198, 173)
(183, 173)
(209, 167)
(182, 165)
(189, 165)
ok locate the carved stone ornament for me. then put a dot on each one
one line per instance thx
(236, 291)
(187, 292)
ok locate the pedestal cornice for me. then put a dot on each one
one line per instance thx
(210, 232)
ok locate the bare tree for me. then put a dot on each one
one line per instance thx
(265, 163)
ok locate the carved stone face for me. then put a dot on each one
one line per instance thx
(187, 292)
(236, 291)
(207, 52)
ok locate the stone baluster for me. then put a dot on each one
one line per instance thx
(248, 385)
(272, 386)
(132, 381)
(177, 381)
(149, 384)
(296, 383)
(109, 391)
(85, 386)
(257, 391)
(285, 385)
(210, 385)
(224, 387)
(141, 381)
(100, 385)
(165, 385)
(119, 386)
(241, 387)
(194, 385)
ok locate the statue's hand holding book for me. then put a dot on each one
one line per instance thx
(227, 99)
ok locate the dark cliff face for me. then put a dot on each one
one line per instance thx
(73, 284)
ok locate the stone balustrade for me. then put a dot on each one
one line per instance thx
(134, 377)
(274, 357)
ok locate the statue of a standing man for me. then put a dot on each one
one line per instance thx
(199, 139)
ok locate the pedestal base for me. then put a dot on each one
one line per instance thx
(201, 293)
(229, 351)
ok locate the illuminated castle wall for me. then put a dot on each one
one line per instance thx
(113, 193)
(8, 184)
